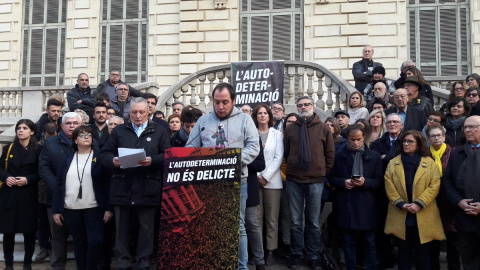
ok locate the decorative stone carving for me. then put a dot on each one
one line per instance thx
(220, 4)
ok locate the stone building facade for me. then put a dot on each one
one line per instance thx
(182, 37)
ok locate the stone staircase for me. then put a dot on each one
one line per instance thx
(18, 252)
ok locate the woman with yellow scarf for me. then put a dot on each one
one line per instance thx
(440, 152)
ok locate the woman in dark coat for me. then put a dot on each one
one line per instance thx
(19, 192)
(356, 179)
(458, 110)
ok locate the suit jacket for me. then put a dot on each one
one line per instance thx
(426, 186)
(415, 119)
(273, 153)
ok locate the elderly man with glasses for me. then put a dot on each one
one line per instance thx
(461, 182)
(278, 113)
(414, 118)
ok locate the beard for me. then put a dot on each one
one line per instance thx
(306, 114)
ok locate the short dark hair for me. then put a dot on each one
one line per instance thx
(54, 102)
(103, 97)
(286, 118)
(278, 103)
(269, 111)
(221, 86)
(77, 131)
(457, 100)
(190, 115)
(475, 76)
(421, 142)
(354, 127)
(439, 114)
(50, 128)
(150, 95)
(472, 89)
(100, 104)
(114, 69)
(159, 112)
(378, 101)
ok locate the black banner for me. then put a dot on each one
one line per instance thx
(258, 82)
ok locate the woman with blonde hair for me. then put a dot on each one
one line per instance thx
(356, 105)
(377, 121)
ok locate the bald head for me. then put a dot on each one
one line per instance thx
(367, 52)
(471, 129)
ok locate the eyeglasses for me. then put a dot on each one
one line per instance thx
(433, 120)
(122, 89)
(378, 89)
(304, 105)
(114, 74)
(408, 141)
(459, 89)
(83, 135)
(472, 95)
(435, 136)
(112, 113)
(470, 127)
(275, 109)
(400, 97)
(395, 122)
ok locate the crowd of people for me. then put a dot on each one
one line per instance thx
(398, 173)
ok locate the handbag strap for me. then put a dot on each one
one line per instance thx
(8, 155)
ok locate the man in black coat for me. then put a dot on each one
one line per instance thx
(461, 183)
(136, 192)
(362, 70)
(413, 118)
(356, 180)
(82, 96)
(50, 169)
(109, 86)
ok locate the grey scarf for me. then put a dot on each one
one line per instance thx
(357, 154)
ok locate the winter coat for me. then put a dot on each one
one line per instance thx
(363, 79)
(356, 207)
(19, 205)
(426, 186)
(322, 152)
(140, 185)
(88, 98)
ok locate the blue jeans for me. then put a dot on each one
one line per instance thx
(243, 241)
(352, 239)
(305, 198)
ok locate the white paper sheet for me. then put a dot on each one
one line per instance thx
(129, 157)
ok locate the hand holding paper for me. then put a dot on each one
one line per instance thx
(131, 157)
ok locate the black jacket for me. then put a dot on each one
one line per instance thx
(463, 222)
(415, 119)
(19, 205)
(257, 165)
(50, 168)
(356, 207)
(139, 185)
(88, 98)
(363, 79)
(382, 146)
(100, 184)
(131, 93)
(177, 141)
(41, 123)
(103, 139)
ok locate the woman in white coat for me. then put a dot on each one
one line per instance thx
(270, 180)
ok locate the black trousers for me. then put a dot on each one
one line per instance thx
(411, 245)
(468, 244)
(9, 244)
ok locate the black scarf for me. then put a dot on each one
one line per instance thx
(467, 177)
(357, 154)
(183, 135)
(304, 150)
(455, 124)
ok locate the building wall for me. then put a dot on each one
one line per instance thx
(11, 14)
(186, 36)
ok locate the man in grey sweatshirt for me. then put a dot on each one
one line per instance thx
(227, 126)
